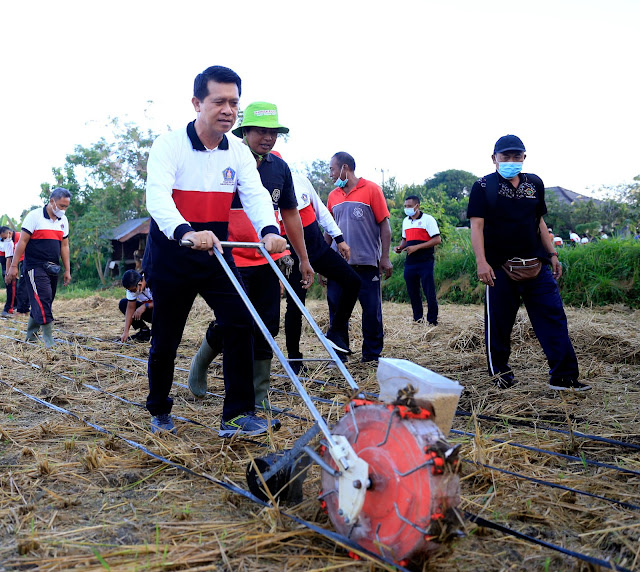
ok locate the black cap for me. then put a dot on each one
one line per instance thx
(508, 143)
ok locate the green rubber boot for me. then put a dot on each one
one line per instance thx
(47, 334)
(198, 370)
(261, 379)
(32, 330)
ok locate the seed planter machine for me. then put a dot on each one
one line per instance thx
(389, 477)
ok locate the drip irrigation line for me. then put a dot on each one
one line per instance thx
(554, 454)
(534, 425)
(506, 530)
(553, 485)
(134, 403)
(328, 534)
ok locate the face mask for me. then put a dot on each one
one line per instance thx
(56, 211)
(509, 170)
(410, 211)
(340, 183)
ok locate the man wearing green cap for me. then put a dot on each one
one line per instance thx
(259, 130)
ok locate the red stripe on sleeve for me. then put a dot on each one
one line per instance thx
(198, 206)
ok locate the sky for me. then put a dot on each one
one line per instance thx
(409, 88)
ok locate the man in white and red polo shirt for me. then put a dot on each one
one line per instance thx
(420, 234)
(43, 241)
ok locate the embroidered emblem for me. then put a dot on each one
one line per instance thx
(229, 176)
(305, 198)
(262, 112)
(62, 226)
(275, 195)
(358, 212)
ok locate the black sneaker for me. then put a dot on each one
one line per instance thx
(370, 359)
(247, 424)
(567, 384)
(433, 323)
(143, 335)
(505, 381)
(163, 422)
(337, 342)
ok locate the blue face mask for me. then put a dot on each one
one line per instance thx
(341, 183)
(410, 211)
(509, 170)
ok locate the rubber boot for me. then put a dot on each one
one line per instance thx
(261, 379)
(47, 334)
(198, 370)
(32, 330)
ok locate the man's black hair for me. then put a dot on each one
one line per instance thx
(345, 159)
(4, 229)
(219, 74)
(131, 278)
(415, 198)
(59, 193)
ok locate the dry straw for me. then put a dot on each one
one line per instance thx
(71, 498)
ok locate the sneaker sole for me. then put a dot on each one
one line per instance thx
(337, 348)
(231, 432)
(559, 388)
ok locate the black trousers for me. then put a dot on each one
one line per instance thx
(173, 297)
(22, 292)
(332, 266)
(42, 290)
(10, 304)
(147, 315)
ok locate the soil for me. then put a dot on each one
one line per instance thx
(72, 497)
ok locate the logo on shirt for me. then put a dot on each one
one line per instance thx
(62, 226)
(305, 197)
(358, 212)
(229, 176)
(275, 195)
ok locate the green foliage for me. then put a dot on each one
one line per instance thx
(603, 272)
(599, 273)
(107, 181)
(318, 173)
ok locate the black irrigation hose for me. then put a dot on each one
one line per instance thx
(505, 530)
(554, 454)
(329, 534)
(534, 425)
(554, 485)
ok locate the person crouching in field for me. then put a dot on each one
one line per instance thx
(506, 209)
(137, 307)
(43, 241)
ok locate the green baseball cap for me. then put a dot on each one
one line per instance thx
(260, 114)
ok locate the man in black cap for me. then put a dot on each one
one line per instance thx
(514, 253)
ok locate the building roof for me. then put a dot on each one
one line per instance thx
(569, 197)
(128, 229)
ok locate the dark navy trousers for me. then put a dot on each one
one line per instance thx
(22, 291)
(332, 266)
(147, 315)
(370, 297)
(414, 276)
(173, 297)
(542, 301)
(42, 290)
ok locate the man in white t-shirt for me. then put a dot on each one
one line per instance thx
(420, 234)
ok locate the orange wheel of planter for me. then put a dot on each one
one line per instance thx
(404, 496)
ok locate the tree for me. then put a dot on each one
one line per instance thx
(318, 173)
(455, 183)
(107, 181)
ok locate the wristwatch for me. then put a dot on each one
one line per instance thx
(554, 253)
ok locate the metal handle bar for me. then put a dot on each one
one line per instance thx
(265, 332)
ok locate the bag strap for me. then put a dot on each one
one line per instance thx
(491, 190)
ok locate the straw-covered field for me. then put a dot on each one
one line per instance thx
(74, 498)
